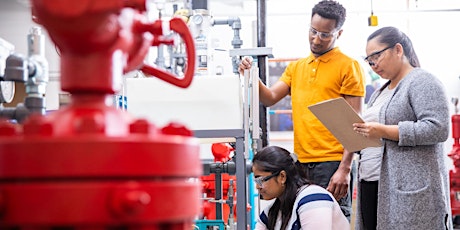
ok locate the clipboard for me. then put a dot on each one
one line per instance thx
(338, 117)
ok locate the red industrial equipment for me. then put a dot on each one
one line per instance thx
(221, 153)
(455, 172)
(91, 165)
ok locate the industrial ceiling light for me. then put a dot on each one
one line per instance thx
(373, 20)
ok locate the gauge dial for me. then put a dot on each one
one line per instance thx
(6, 91)
(197, 19)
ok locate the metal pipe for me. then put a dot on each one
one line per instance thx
(262, 63)
(241, 186)
(218, 181)
(199, 4)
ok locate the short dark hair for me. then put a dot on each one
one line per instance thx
(331, 10)
(390, 36)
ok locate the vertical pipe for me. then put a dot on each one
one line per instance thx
(241, 191)
(263, 67)
(218, 184)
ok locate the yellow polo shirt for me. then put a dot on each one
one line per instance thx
(312, 80)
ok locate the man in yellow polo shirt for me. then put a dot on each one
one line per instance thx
(325, 74)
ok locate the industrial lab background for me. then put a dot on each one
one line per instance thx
(429, 23)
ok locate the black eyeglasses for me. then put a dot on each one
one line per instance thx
(260, 180)
(374, 57)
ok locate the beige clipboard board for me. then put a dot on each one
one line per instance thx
(338, 117)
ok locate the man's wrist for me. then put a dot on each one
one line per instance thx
(345, 169)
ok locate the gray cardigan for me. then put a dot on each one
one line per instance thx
(414, 186)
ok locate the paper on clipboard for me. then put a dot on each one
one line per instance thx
(338, 117)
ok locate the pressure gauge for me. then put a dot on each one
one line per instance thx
(6, 87)
(197, 19)
(6, 91)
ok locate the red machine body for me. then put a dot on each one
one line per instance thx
(455, 172)
(90, 165)
(221, 153)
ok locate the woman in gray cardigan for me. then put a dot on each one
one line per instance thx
(413, 189)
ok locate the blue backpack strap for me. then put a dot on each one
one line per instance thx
(306, 199)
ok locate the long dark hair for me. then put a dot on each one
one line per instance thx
(331, 10)
(274, 159)
(391, 36)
